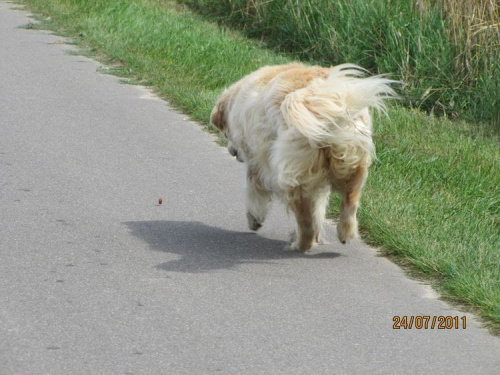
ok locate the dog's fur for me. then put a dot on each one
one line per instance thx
(303, 131)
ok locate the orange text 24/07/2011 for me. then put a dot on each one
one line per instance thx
(429, 322)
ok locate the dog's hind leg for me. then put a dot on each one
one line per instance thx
(257, 200)
(309, 213)
(347, 228)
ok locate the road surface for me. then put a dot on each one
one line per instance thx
(97, 278)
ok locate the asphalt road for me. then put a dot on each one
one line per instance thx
(97, 278)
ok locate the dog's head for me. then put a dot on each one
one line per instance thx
(218, 118)
(218, 115)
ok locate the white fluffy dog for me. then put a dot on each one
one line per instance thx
(303, 131)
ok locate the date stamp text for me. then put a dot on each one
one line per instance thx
(429, 322)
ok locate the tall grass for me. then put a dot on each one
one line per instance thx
(446, 51)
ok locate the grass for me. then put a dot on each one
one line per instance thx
(433, 198)
(446, 51)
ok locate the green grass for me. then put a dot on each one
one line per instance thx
(433, 198)
(447, 52)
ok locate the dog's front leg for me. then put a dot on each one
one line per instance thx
(257, 201)
(319, 209)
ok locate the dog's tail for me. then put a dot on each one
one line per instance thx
(333, 113)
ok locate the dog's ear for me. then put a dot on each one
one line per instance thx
(218, 115)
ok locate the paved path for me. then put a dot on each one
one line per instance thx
(96, 278)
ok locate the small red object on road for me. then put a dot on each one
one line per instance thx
(160, 201)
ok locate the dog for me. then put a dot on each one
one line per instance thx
(303, 131)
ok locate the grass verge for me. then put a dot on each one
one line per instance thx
(446, 51)
(432, 200)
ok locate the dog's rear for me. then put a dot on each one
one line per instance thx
(303, 131)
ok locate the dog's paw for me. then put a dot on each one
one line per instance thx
(321, 241)
(253, 223)
(347, 232)
(295, 245)
(292, 246)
